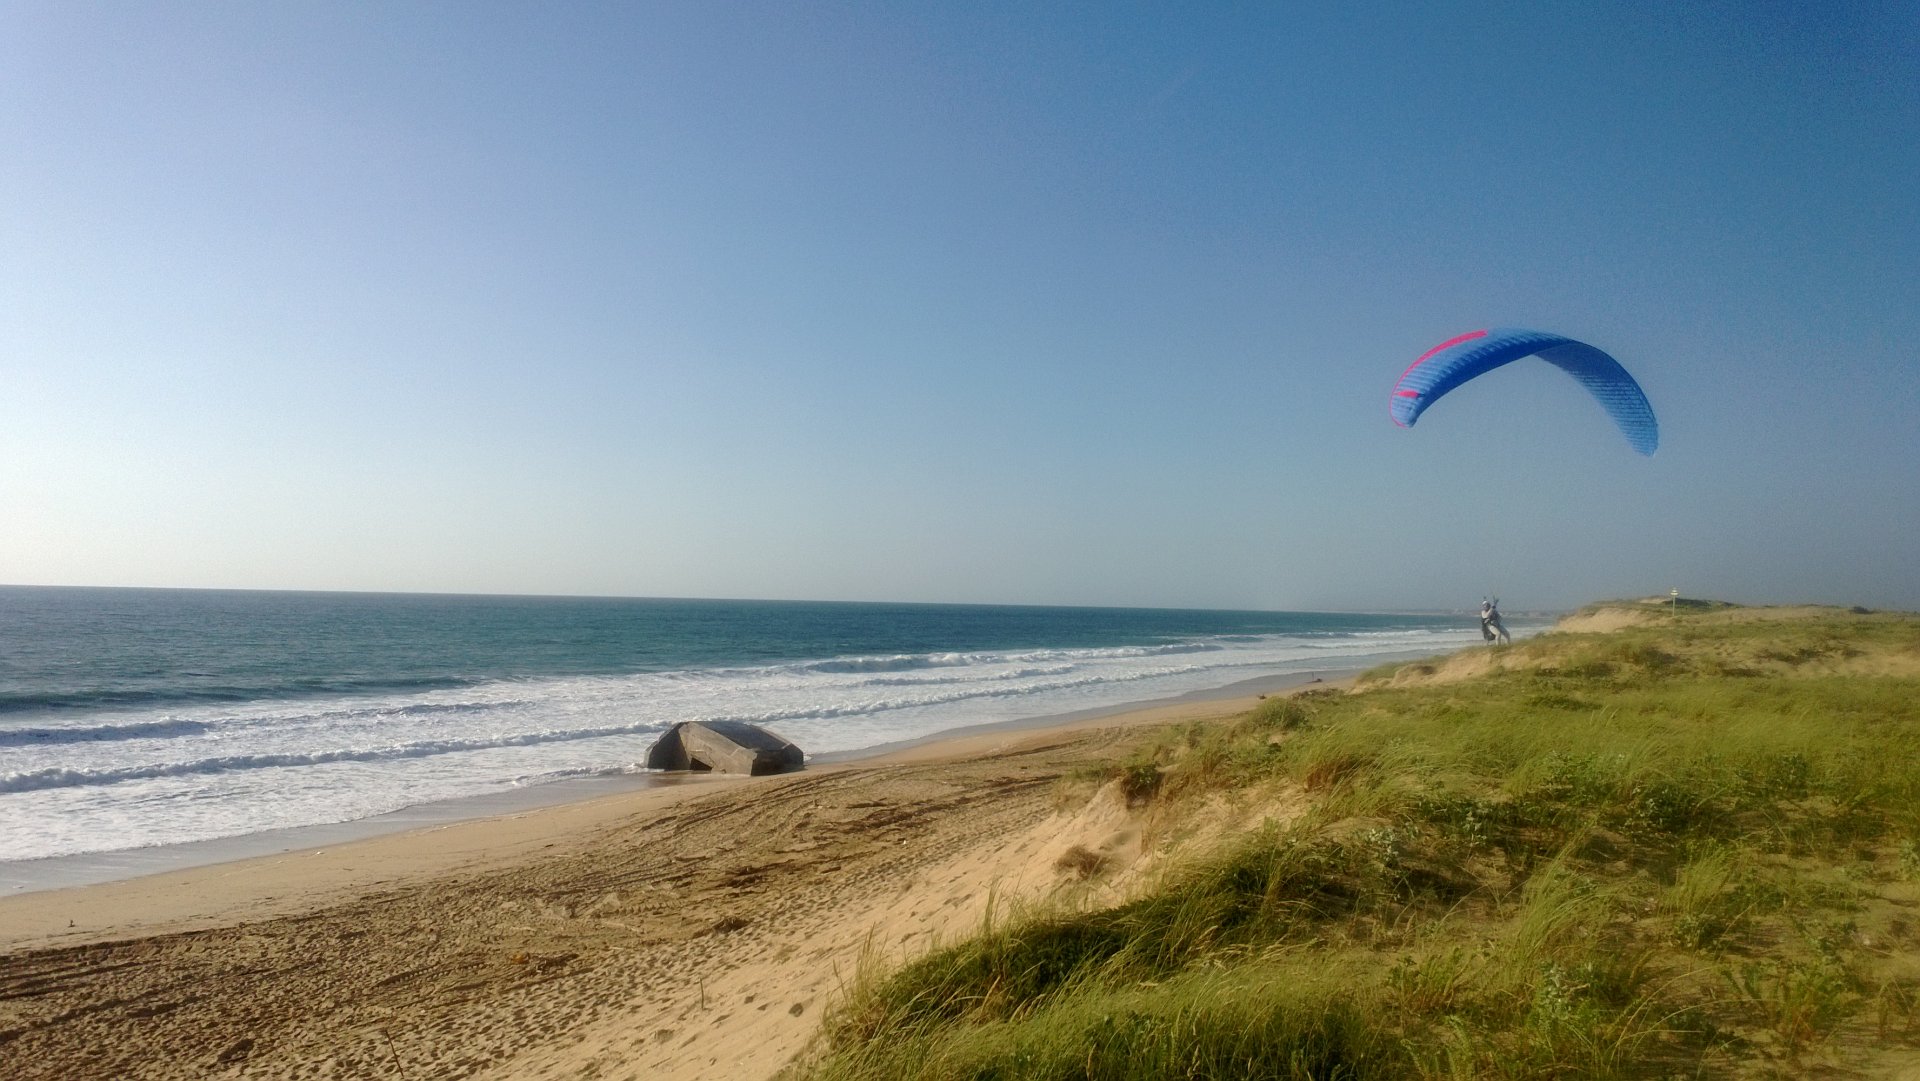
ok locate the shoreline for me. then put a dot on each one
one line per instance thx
(142, 892)
(19, 878)
(687, 933)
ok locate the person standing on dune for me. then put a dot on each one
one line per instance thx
(1490, 626)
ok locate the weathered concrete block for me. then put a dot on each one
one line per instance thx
(724, 747)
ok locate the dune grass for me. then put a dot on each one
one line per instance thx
(1685, 849)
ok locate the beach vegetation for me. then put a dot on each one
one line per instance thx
(1684, 848)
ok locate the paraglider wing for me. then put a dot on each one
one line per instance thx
(1471, 355)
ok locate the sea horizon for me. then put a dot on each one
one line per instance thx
(697, 598)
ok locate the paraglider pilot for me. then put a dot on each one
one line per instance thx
(1490, 625)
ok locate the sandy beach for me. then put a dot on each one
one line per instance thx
(685, 931)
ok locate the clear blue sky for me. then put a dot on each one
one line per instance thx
(1093, 303)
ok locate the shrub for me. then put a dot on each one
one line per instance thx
(1285, 714)
(1139, 782)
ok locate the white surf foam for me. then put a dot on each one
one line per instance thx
(162, 776)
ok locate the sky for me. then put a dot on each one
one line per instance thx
(1074, 303)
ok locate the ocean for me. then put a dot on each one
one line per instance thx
(135, 718)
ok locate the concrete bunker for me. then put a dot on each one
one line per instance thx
(724, 747)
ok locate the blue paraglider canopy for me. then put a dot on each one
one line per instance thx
(1470, 355)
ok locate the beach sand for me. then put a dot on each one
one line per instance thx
(686, 931)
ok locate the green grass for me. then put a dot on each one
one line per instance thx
(1686, 849)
